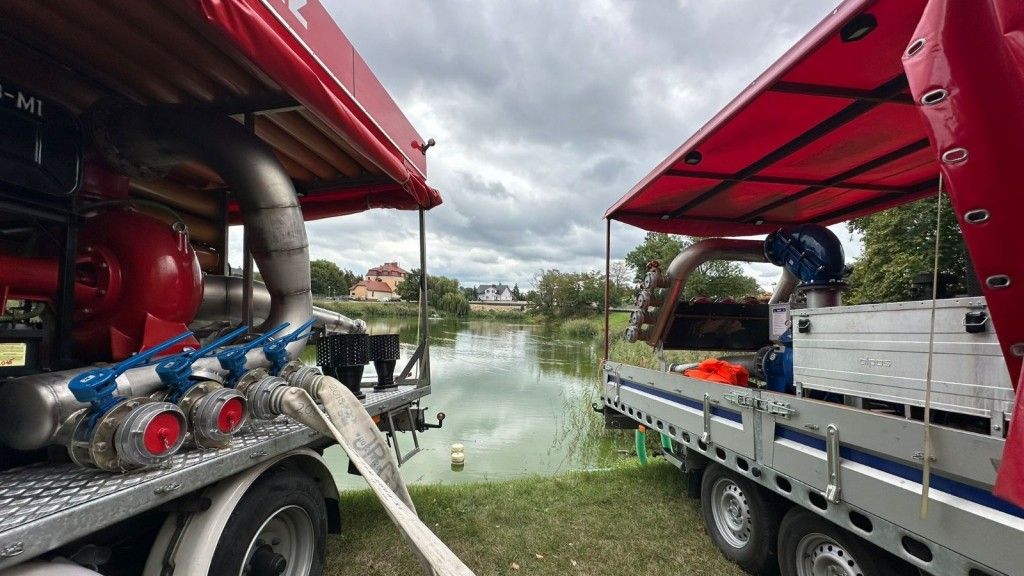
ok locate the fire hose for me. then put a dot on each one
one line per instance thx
(347, 421)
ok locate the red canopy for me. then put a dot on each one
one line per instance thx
(302, 49)
(828, 133)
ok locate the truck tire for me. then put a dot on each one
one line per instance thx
(809, 545)
(741, 519)
(278, 528)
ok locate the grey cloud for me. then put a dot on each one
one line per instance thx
(546, 113)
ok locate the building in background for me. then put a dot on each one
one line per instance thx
(380, 283)
(494, 293)
(372, 290)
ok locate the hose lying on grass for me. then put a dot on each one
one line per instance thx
(347, 421)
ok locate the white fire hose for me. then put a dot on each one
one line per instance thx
(348, 422)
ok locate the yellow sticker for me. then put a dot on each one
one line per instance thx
(12, 354)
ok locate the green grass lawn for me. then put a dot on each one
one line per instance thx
(629, 520)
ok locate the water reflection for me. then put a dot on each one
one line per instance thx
(516, 395)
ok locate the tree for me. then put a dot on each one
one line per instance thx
(454, 303)
(468, 293)
(327, 279)
(656, 246)
(567, 294)
(516, 294)
(899, 244)
(714, 278)
(437, 287)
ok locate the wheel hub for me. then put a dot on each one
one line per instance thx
(266, 562)
(819, 555)
(731, 512)
(284, 544)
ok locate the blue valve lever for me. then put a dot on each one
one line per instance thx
(233, 359)
(97, 386)
(277, 350)
(175, 372)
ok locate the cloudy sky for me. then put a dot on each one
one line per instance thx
(546, 112)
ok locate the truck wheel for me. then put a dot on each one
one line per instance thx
(740, 519)
(809, 545)
(278, 528)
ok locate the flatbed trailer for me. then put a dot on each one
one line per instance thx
(877, 438)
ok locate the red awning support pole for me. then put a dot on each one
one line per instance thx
(607, 280)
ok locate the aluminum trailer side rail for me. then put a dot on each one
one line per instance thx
(859, 469)
(44, 506)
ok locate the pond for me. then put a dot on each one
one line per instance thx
(517, 396)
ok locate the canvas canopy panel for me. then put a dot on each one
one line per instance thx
(309, 95)
(828, 133)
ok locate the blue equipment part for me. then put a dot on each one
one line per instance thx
(97, 386)
(777, 364)
(276, 350)
(176, 372)
(811, 252)
(233, 359)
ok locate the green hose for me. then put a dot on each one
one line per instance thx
(666, 442)
(641, 445)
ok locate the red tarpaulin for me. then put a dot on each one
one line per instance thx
(302, 49)
(853, 120)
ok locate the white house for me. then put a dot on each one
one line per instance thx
(494, 293)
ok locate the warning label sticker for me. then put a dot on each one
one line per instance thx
(12, 354)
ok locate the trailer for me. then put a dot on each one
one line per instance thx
(142, 384)
(872, 439)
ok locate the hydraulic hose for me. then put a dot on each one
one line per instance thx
(351, 426)
(640, 440)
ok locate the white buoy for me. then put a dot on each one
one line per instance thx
(457, 448)
(458, 458)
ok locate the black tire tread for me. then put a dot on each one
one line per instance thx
(277, 487)
(758, 557)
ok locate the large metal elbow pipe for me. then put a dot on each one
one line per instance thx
(222, 301)
(684, 264)
(785, 286)
(150, 141)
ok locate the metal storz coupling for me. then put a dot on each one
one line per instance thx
(121, 434)
(263, 393)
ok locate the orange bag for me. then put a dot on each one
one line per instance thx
(715, 370)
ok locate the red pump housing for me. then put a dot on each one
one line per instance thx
(137, 283)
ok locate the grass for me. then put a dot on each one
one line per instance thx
(633, 353)
(364, 310)
(630, 519)
(355, 309)
(581, 329)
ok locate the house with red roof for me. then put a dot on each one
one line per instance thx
(380, 283)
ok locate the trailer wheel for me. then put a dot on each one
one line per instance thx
(278, 528)
(741, 520)
(809, 545)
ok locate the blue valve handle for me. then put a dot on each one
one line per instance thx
(277, 350)
(98, 386)
(233, 359)
(176, 371)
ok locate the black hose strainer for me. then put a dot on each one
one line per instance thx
(384, 350)
(344, 356)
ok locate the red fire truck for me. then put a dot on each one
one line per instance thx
(139, 379)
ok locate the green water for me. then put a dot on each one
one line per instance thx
(517, 396)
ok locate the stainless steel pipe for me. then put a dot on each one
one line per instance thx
(222, 301)
(687, 261)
